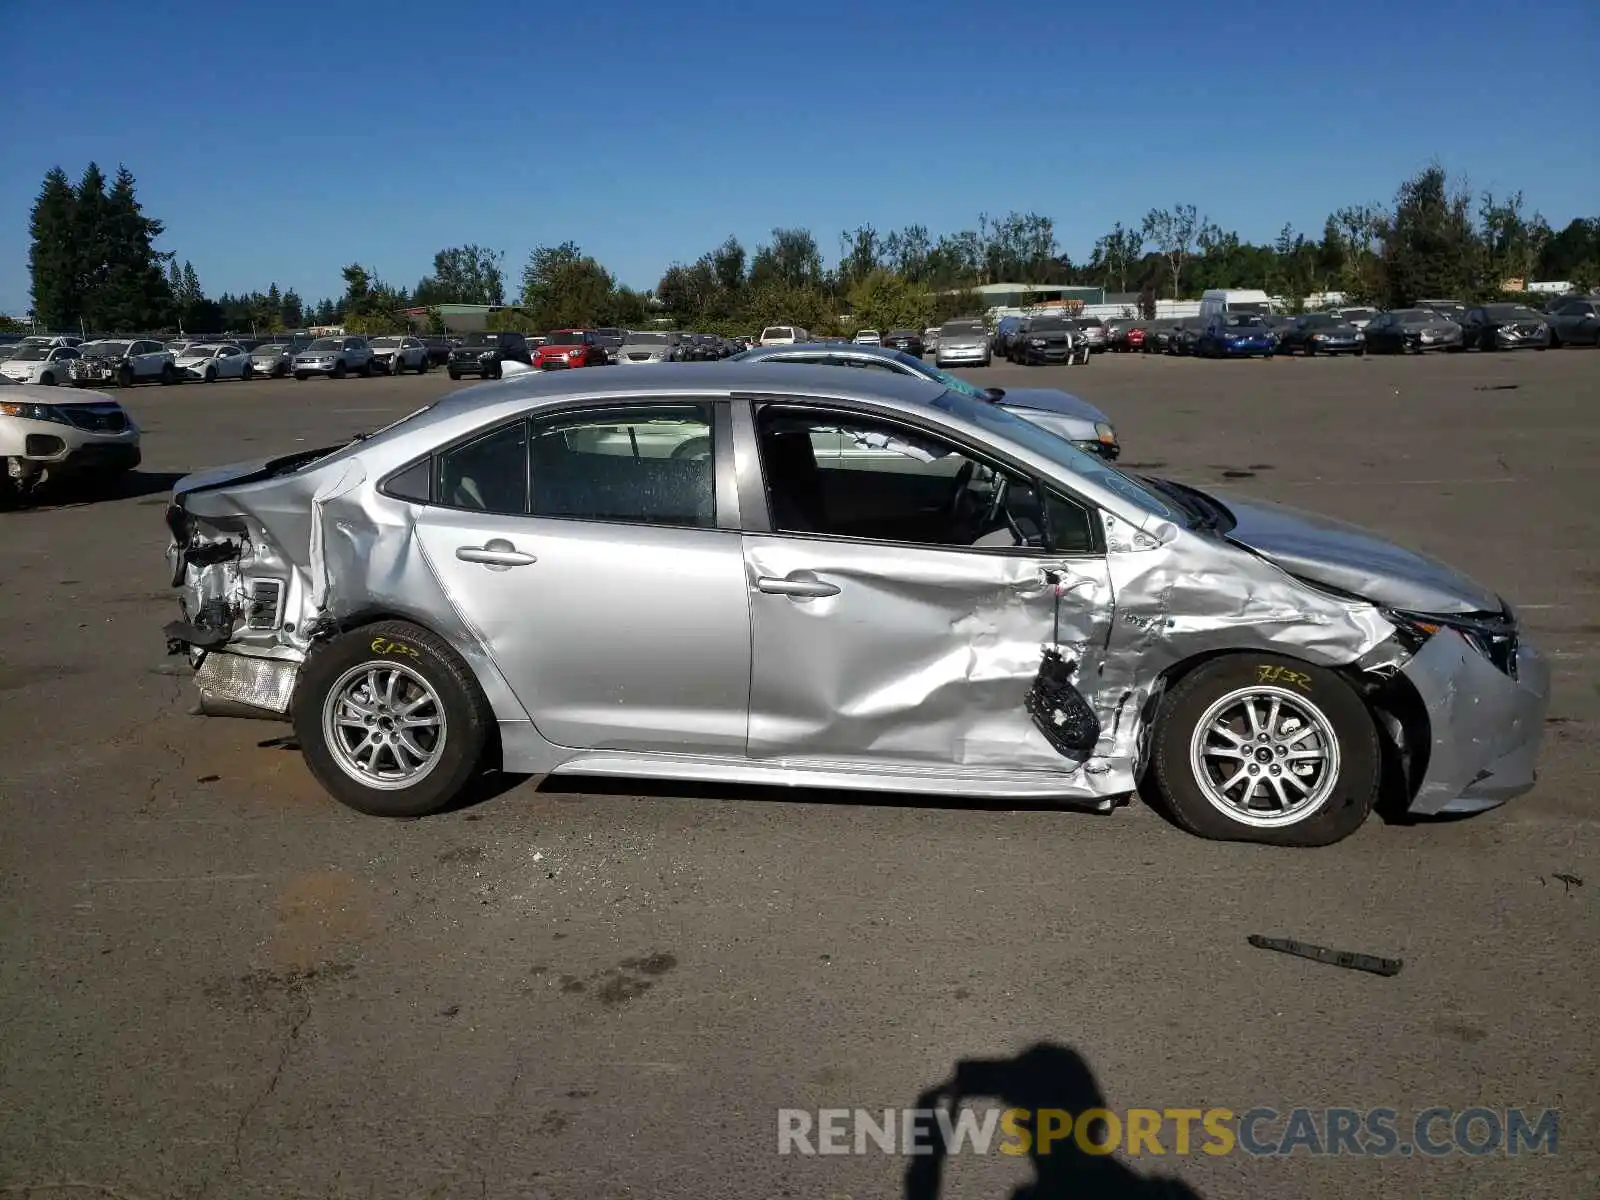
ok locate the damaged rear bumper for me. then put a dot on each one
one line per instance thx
(1485, 725)
(244, 685)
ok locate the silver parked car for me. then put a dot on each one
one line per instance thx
(1411, 331)
(962, 343)
(334, 357)
(398, 354)
(848, 578)
(1060, 412)
(273, 361)
(648, 347)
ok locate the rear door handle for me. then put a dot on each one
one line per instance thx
(800, 589)
(497, 554)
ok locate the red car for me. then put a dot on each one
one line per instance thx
(1134, 338)
(570, 348)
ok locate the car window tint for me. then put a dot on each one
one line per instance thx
(1070, 526)
(487, 474)
(843, 476)
(649, 464)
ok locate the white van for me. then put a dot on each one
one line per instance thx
(1227, 300)
(782, 335)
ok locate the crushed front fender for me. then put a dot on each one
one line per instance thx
(1485, 726)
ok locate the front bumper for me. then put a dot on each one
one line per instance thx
(1245, 349)
(314, 368)
(1485, 727)
(1521, 341)
(469, 366)
(67, 447)
(962, 354)
(1049, 354)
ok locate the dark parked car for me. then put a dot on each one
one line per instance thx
(1236, 335)
(1505, 327)
(1412, 331)
(439, 349)
(1185, 335)
(908, 341)
(1005, 333)
(1575, 322)
(1158, 336)
(482, 353)
(610, 341)
(1048, 339)
(1321, 333)
(1454, 310)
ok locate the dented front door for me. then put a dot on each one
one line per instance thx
(874, 654)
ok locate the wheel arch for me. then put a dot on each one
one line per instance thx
(1404, 729)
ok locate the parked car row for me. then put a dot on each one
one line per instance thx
(1428, 325)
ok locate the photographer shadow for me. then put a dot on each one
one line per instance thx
(1045, 1076)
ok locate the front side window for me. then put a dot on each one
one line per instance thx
(846, 476)
(643, 465)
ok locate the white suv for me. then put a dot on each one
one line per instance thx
(397, 354)
(49, 435)
(782, 335)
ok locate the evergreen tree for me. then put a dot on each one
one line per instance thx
(57, 300)
(292, 313)
(134, 295)
(175, 282)
(92, 254)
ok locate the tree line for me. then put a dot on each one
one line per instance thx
(94, 264)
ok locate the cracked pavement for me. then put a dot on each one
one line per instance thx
(215, 982)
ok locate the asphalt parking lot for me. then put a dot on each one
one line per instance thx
(216, 982)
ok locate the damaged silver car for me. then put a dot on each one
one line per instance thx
(836, 578)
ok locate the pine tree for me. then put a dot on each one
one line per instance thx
(191, 284)
(57, 300)
(175, 282)
(135, 294)
(293, 310)
(90, 242)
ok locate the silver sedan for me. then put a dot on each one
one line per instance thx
(839, 578)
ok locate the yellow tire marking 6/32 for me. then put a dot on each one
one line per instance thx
(1271, 673)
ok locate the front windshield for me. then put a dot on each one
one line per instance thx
(960, 329)
(271, 349)
(1071, 460)
(1048, 325)
(1320, 320)
(1238, 320)
(1356, 314)
(647, 339)
(1258, 309)
(326, 344)
(385, 343)
(1512, 312)
(103, 349)
(566, 337)
(31, 354)
(1415, 314)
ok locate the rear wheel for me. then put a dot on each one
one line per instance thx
(391, 720)
(1264, 748)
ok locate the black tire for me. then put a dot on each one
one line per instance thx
(422, 367)
(301, 376)
(338, 369)
(366, 369)
(468, 720)
(47, 380)
(247, 372)
(168, 375)
(124, 376)
(1352, 792)
(453, 373)
(210, 376)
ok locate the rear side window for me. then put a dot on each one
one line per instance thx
(488, 474)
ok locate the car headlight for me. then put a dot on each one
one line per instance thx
(1106, 434)
(1361, 335)
(1493, 637)
(34, 412)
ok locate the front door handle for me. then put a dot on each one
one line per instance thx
(800, 589)
(497, 554)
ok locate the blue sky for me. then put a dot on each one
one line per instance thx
(279, 145)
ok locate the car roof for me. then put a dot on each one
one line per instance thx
(852, 349)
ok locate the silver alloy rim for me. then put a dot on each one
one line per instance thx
(384, 725)
(1265, 757)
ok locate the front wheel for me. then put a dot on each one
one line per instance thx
(47, 380)
(422, 367)
(167, 374)
(210, 376)
(247, 372)
(301, 376)
(124, 376)
(1264, 748)
(366, 369)
(390, 720)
